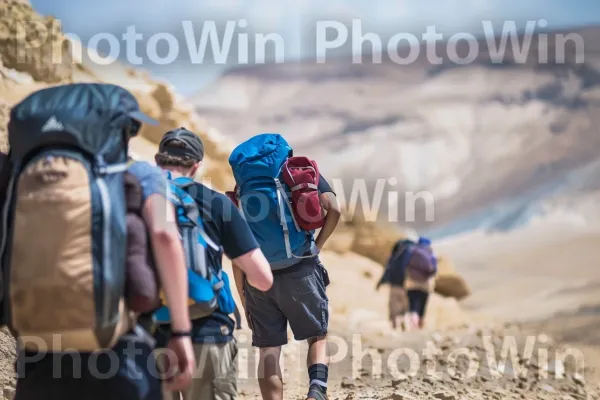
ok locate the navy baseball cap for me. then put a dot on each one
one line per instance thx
(192, 144)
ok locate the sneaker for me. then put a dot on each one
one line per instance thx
(316, 393)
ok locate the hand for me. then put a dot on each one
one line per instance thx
(180, 363)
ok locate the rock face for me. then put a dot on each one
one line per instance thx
(449, 282)
(162, 104)
(16, 1)
(25, 68)
(4, 114)
(33, 44)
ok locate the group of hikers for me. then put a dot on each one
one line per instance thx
(112, 278)
(410, 272)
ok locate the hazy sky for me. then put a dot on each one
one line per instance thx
(293, 20)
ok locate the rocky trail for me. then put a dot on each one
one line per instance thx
(476, 363)
(461, 355)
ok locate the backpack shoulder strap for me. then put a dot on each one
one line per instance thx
(181, 187)
(184, 182)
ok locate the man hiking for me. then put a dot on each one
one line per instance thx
(284, 199)
(180, 154)
(394, 275)
(65, 250)
(410, 272)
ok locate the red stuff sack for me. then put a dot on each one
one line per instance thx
(302, 176)
(232, 194)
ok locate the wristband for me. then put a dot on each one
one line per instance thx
(177, 334)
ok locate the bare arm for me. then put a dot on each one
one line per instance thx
(332, 206)
(239, 277)
(255, 266)
(168, 254)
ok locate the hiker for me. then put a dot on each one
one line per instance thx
(410, 271)
(394, 275)
(180, 154)
(284, 200)
(64, 250)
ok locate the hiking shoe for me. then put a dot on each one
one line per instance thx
(316, 393)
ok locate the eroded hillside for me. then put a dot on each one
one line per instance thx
(489, 142)
(28, 67)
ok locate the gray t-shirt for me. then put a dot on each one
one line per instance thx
(151, 178)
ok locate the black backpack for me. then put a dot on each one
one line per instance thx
(63, 243)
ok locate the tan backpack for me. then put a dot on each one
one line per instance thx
(64, 239)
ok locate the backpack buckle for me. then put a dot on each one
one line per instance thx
(100, 165)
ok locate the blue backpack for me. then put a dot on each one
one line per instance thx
(208, 286)
(264, 200)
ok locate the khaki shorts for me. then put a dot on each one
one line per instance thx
(398, 302)
(215, 376)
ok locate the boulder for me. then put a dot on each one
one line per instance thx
(341, 240)
(448, 282)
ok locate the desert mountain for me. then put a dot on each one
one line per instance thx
(494, 142)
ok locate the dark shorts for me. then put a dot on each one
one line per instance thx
(128, 372)
(298, 296)
(417, 301)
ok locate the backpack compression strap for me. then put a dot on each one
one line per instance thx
(282, 198)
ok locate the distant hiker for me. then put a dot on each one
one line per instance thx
(64, 251)
(226, 232)
(394, 275)
(420, 280)
(284, 199)
(410, 272)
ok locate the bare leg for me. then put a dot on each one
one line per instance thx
(415, 320)
(317, 351)
(270, 378)
(408, 321)
(317, 354)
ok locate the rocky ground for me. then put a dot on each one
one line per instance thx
(465, 353)
(469, 363)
